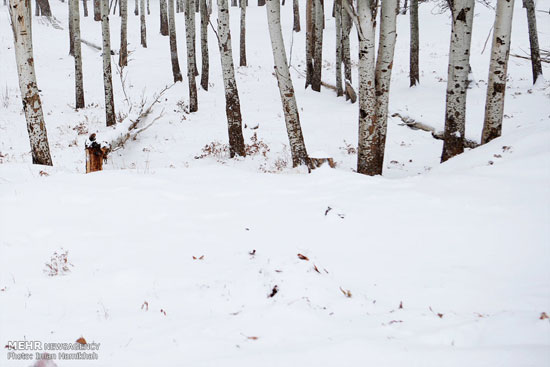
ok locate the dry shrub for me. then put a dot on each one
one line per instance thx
(59, 264)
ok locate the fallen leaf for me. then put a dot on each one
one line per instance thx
(273, 292)
(315, 268)
(252, 337)
(347, 292)
(401, 305)
(81, 340)
(544, 316)
(303, 257)
(252, 253)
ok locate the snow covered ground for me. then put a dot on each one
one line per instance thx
(174, 258)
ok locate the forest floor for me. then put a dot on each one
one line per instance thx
(173, 252)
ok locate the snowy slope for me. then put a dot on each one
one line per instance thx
(464, 247)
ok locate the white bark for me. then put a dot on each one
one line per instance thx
(79, 87)
(107, 70)
(20, 14)
(384, 65)
(286, 89)
(242, 38)
(414, 73)
(338, 19)
(163, 18)
(296, 11)
(366, 153)
(189, 36)
(123, 55)
(142, 23)
(205, 16)
(496, 88)
(176, 72)
(232, 102)
(536, 66)
(318, 21)
(457, 79)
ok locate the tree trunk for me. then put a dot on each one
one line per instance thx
(85, 4)
(261, 2)
(243, 34)
(143, 25)
(296, 8)
(346, 54)
(110, 117)
(310, 8)
(205, 16)
(413, 63)
(457, 79)
(176, 72)
(232, 102)
(234, 3)
(163, 18)
(97, 10)
(384, 66)
(71, 31)
(20, 13)
(79, 87)
(533, 39)
(496, 88)
(366, 152)
(318, 21)
(37, 8)
(45, 9)
(189, 31)
(192, 28)
(286, 89)
(148, 8)
(123, 55)
(338, 18)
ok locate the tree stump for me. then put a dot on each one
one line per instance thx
(95, 154)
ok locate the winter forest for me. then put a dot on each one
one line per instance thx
(274, 183)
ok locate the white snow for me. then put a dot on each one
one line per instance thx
(463, 246)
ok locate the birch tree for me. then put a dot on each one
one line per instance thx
(414, 73)
(192, 29)
(176, 72)
(496, 88)
(189, 31)
(79, 87)
(21, 21)
(384, 66)
(457, 79)
(45, 9)
(296, 11)
(242, 46)
(529, 6)
(346, 52)
(318, 21)
(367, 152)
(232, 102)
(310, 7)
(143, 26)
(338, 18)
(123, 55)
(286, 89)
(205, 18)
(163, 18)
(110, 117)
(97, 10)
(71, 35)
(136, 7)
(85, 6)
